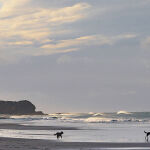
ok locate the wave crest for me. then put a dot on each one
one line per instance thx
(123, 112)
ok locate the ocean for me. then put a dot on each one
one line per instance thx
(119, 126)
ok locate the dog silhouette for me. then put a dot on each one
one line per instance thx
(147, 134)
(59, 134)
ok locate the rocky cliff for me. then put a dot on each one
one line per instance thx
(23, 107)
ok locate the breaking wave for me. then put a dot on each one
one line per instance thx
(115, 117)
(123, 112)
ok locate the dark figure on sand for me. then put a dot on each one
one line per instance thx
(147, 134)
(59, 134)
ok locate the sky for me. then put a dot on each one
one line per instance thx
(76, 55)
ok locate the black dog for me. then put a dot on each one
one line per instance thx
(147, 134)
(59, 134)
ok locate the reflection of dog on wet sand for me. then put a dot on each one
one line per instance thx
(147, 134)
(59, 134)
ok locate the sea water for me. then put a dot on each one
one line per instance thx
(93, 127)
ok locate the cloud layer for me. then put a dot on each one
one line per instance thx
(23, 25)
(73, 54)
(37, 30)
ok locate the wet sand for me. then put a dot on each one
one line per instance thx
(31, 144)
(28, 127)
(37, 144)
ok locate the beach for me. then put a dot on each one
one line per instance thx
(90, 131)
(32, 144)
(78, 127)
(15, 126)
(74, 75)
(40, 144)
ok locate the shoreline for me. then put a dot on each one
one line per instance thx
(8, 143)
(16, 126)
(37, 144)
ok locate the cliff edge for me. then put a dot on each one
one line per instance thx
(23, 107)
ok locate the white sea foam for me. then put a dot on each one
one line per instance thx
(120, 116)
(98, 114)
(123, 112)
(97, 119)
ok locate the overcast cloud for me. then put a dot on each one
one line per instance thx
(76, 55)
